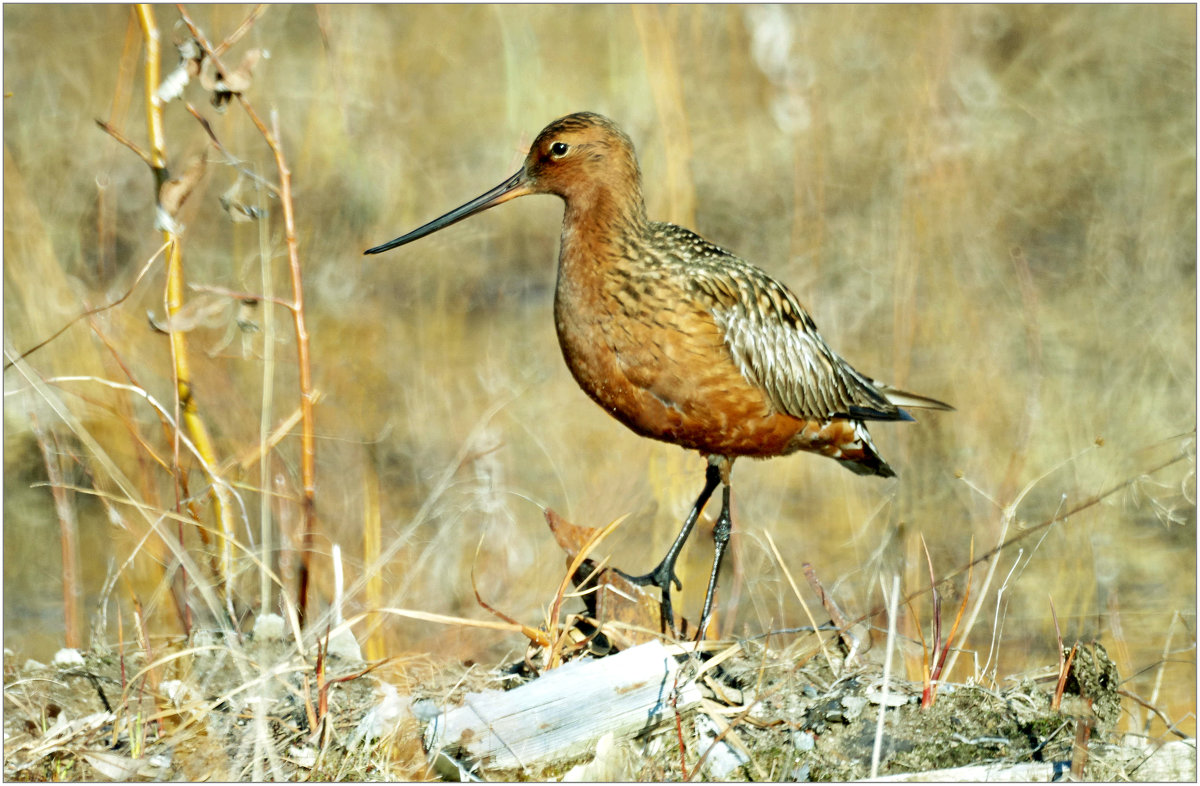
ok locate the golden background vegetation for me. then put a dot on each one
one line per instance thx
(991, 205)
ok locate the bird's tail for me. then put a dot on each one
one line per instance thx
(867, 462)
(902, 398)
(860, 456)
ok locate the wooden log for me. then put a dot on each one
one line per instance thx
(558, 717)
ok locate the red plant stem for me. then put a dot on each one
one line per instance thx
(1055, 519)
(68, 538)
(679, 733)
(308, 449)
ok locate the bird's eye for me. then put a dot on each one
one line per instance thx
(559, 149)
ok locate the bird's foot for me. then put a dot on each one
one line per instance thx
(663, 576)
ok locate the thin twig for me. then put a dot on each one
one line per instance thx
(230, 157)
(238, 295)
(939, 670)
(536, 636)
(68, 537)
(1055, 519)
(1158, 678)
(1170, 724)
(1079, 749)
(117, 135)
(555, 638)
(683, 770)
(91, 311)
(893, 606)
(240, 31)
(1008, 516)
(997, 623)
(796, 591)
(831, 608)
(1062, 658)
(152, 515)
(1064, 671)
(307, 436)
(929, 666)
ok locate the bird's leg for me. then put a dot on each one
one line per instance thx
(664, 574)
(721, 533)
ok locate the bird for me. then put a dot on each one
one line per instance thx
(681, 340)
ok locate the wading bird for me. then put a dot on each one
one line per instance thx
(681, 340)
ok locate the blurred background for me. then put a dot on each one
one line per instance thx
(990, 205)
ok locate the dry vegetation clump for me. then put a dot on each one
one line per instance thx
(217, 409)
(216, 710)
(821, 727)
(229, 711)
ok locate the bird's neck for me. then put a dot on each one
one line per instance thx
(603, 223)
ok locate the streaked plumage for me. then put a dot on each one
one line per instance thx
(679, 339)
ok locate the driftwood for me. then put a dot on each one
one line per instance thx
(560, 716)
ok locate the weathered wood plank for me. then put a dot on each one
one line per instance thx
(560, 716)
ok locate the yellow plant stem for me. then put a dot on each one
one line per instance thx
(190, 414)
(372, 548)
(308, 396)
(154, 123)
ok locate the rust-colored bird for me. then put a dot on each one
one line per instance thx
(681, 340)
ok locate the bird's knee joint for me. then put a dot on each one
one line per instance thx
(722, 529)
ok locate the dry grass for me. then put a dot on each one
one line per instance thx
(991, 205)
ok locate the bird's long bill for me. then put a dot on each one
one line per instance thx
(515, 186)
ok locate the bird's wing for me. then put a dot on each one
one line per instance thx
(794, 366)
(771, 338)
(775, 344)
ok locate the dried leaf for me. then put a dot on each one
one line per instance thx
(239, 81)
(612, 597)
(175, 191)
(204, 311)
(234, 82)
(231, 202)
(569, 537)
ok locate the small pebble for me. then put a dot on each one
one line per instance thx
(804, 741)
(303, 757)
(893, 699)
(67, 658)
(854, 706)
(268, 627)
(345, 646)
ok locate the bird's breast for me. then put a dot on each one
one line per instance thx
(647, 348)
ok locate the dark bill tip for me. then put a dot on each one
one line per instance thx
(512, 188)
